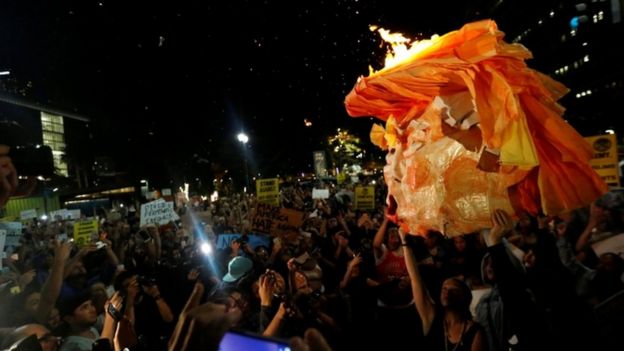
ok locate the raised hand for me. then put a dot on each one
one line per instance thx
(502, 224)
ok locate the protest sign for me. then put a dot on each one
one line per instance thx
(84, 231)
(605, 158)
(225, 240)
(166, 192)
(320, 193)
(73, 214)
(158, 212)
(276, 220)
(13, 233)
(28, 214)
(364, 197)
(267, 191)
(320, 163)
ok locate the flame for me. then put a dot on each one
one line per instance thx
(401, 49)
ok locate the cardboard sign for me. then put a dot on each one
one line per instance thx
(13, 233)
(267, 191)
(28, 214)
(276, 220)
(605, 159)
(364, 197)
(84, 231)
(225, 240)
(320, 193)
(614, 244)
(158, 212)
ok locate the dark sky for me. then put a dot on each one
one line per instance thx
(210, 68)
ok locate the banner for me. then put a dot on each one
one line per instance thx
(58, 215)
(320, 163)
(276, 220)
(605, 160)
(225, 240)
(84, 231)
(320, 193)
(158, 212)
(364, 197)
(13, 233)
(28, 214)
(267, 191)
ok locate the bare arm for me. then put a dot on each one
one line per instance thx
(273, 327)
(587, 233)
(52, 286)
(478, 343)
(424, 304)
(379, 237)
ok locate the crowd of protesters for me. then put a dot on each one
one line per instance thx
(351, 278)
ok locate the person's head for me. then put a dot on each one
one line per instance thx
(432, 238)
(30, 302)
(47, 341)
(78, 271)
(301, 284)
(54, 319)
(456, 295)
(332, 223)
(459, 242)
(78, 311)
(237, 268)
(488, 269)
(99, 296)
(610, 263)
(393, 240)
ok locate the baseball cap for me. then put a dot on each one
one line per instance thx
(238, 267)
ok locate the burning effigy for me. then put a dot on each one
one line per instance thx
(470, 128)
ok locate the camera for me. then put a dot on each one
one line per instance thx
(145, 280)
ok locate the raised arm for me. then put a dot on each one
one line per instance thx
(424, 303)
(379, 237)
(52, 286)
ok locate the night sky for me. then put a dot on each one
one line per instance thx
(210, 69)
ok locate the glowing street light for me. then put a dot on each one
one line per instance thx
(243, 138)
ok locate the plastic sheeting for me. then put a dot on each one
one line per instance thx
(465, 91)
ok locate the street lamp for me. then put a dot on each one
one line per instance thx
(244, 139)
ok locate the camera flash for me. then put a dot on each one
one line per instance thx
(205, 248)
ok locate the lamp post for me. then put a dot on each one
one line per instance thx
(244, 139)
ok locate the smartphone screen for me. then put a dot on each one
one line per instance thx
(235, 341)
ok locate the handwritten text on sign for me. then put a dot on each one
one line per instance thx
(364, 197)
(84, 231)
(157, 212)
(13, 233)
(605, 158)
(267, 191)
(276, 221)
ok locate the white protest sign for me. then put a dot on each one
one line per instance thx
(320, 193)
(166, 192)
(614, 244)
(157, 212)
(73, 214)
(62, 214)
(13, 233)
(28, 214)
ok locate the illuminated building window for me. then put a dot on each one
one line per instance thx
(54, 136)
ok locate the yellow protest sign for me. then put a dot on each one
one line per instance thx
(605, 160)
(83, 231)
(267, 191)
(364, 197)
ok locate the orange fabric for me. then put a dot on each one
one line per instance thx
(517, 109)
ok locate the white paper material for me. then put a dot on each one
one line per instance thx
(614, 244)
(320, 193)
